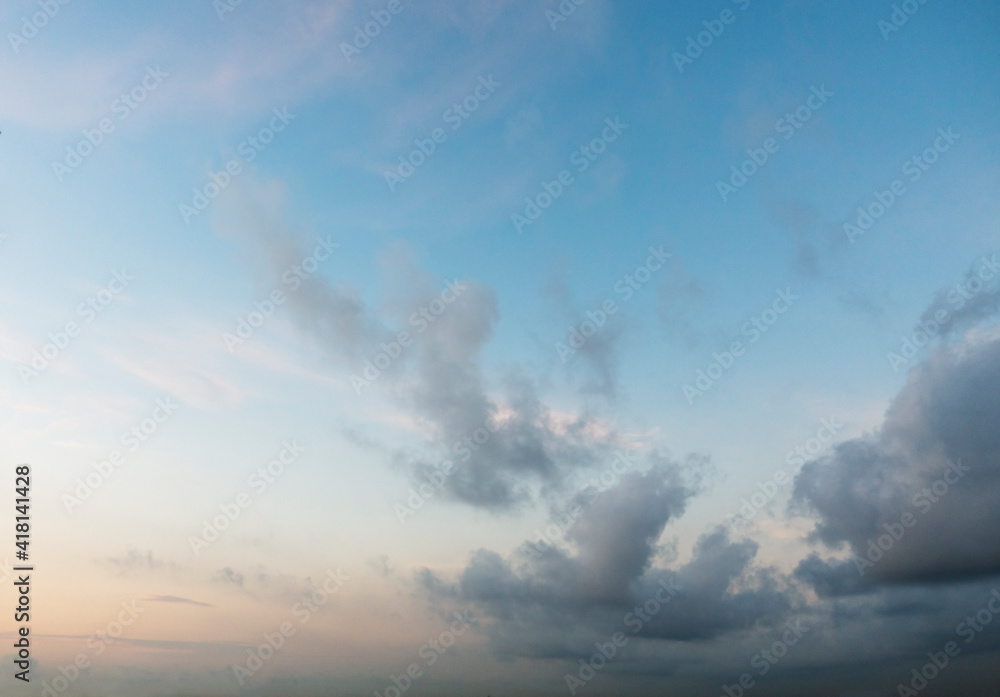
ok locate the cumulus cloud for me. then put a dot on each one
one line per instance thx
(508, 447)
(504, 451)
(925, 487)
(554, 602)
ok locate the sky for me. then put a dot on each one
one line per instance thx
(501, 347)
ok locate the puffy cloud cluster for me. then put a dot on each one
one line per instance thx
(916, 502)
(919, 499)
(555, 604)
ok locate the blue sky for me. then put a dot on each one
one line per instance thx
(216, 79)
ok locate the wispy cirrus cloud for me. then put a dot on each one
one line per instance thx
(173, 599)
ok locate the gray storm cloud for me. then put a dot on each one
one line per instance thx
(920, 497)
(556, 603)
